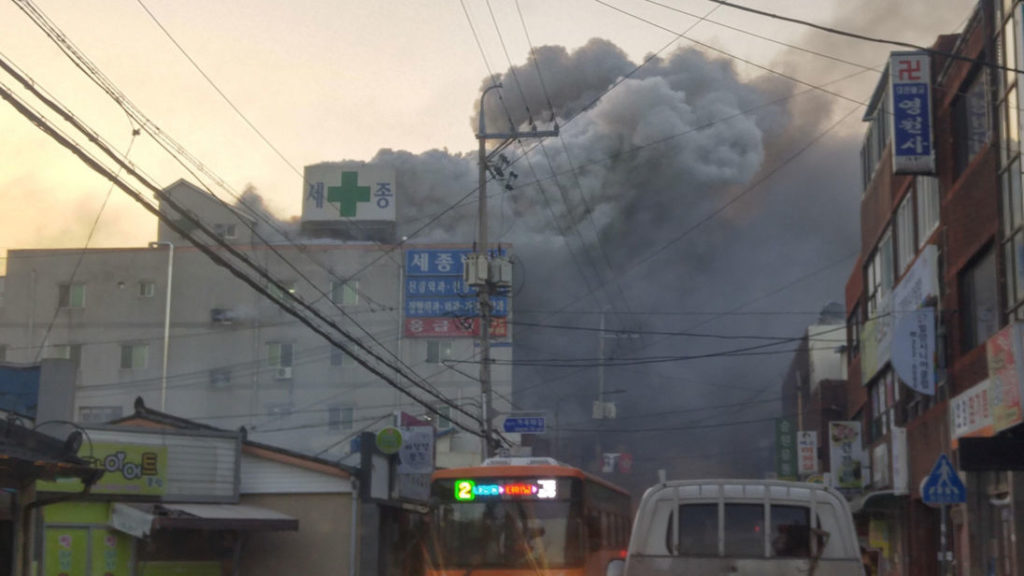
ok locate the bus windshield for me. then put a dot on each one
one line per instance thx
(506, 534)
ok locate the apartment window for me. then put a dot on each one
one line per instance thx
(147, 288)
(279, 354)
(444, 417)
(853, 331)
(340, 418)
(979, 301)
(345, 293)
(220, 378)
(438, 351)
(226, 231)
(337, 356)
(883, 396)
(970, 121)
(279, 293)
(876, 141)
(927, 189)
(71, 296)
(72, 352)
(879, 274)
(99, 414)
(906, 242)
(134, 356)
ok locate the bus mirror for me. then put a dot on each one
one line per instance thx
(615, 568)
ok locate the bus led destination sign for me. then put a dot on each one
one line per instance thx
(470, 490)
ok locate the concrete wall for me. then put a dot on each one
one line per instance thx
(293, 412)
(320, 546)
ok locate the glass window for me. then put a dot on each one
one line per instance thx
(146, 288)
(345, 293)
(698, 530)
(279, 354)
(337, 356)
(444, 417)
(278, 293)
(134, 356)
(970, 121)
(927, 189)
(71, 296)
(744, 530)
(340, 417)
(791, 531)
(979, 301)
(906, 241)
(439, 350)
(220, 377)
(507, 534)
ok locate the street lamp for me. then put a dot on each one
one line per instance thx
(558, 405)
(167, 318)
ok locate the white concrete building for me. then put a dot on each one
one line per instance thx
(234, 357)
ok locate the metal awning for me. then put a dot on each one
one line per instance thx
(141, 519)
(879, 500)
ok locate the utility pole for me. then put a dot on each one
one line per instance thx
(478, 272)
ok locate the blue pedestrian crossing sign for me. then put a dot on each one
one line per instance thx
(943, 485)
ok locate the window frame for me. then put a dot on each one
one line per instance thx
(277, 360)
(134, 348)
(439, 350)
(71, 295)
(980, 265)
(345, 292)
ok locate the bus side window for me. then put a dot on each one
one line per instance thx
(594, 529)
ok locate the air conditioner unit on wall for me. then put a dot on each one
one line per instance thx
(283, 373)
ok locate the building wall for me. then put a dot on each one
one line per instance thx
(320, 546)
(305, 411)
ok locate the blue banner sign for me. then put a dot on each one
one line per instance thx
(455, 306)
(910, 89)
(438, 262)
(524, 425)
(439, 286)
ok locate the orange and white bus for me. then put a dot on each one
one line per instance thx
(530, 516)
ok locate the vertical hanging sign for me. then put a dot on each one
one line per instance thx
(911, 113)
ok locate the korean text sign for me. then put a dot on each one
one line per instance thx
(911, 113)
(128, 469)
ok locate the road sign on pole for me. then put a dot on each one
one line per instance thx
(524, 425)
(943, 485)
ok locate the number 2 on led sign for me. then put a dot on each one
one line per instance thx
(464, 490)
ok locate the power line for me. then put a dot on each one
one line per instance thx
(81, 253)
(174, 225)
(866, 38)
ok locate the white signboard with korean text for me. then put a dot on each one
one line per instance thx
(807, 452)
(911, 113)
(913, 350)
(416, 456)
(333, 192)
(970, 413)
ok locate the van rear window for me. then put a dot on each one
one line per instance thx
(745, 528)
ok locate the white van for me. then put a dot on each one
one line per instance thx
(742, 528)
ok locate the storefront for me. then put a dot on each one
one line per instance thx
(167, 504)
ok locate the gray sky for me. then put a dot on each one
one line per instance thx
(330, 80)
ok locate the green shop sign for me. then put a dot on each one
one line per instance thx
(129, 469)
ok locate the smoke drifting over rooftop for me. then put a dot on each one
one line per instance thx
(630, 172)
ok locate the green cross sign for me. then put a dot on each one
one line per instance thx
(348, 195)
